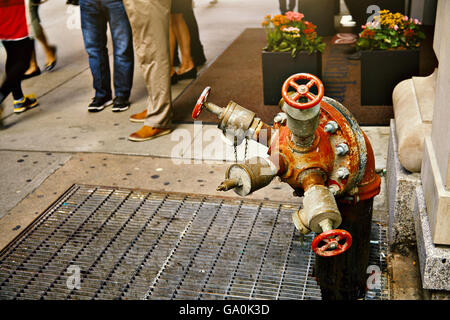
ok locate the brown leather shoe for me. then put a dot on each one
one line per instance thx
(148, 133)
(139, 117)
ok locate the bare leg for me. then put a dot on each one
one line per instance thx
(48, 49)
(183, 38)
(33, 64)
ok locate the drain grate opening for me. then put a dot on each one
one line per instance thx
(107, 243)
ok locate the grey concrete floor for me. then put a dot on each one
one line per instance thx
(46, 150)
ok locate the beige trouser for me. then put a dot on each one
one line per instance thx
(149, 21)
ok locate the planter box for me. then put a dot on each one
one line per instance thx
(382, 70)
(278, 66)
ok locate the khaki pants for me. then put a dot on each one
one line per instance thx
(149, 21)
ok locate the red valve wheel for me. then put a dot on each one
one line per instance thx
(200, 103)
(302, 91)
(332, 238)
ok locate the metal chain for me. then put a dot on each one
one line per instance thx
(246, 147)
(235, 150)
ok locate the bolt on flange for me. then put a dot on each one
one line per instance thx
(331, 127)
(342, 173)
(342, 149)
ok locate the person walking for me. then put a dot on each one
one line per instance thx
(284, 8)
(179, 33)
(149, 21)
(16, 38)
(39, 33)
(95, 17)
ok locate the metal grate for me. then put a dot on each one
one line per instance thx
(134, 244)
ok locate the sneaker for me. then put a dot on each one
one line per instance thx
(120, 104)
(98, 104)
(27, 102)
(148, 133)
(139, 117)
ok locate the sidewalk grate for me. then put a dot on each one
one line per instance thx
(135, 244)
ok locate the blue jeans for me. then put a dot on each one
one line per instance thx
(95, 15)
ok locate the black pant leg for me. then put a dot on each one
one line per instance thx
(18, 55)
(283, 8)
(197, 52)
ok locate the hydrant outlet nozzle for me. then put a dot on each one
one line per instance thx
(228, 184)
(326, 224)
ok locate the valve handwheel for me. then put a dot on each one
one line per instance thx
(302, 90)
(200, 103)
(335, 241)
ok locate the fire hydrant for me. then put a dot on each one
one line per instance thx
(317, 147)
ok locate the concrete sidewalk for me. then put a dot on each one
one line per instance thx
(62, 124)
(46, 150)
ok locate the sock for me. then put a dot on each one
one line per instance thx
(20, 100)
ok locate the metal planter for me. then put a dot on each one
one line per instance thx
(278, 66)
(382, 70)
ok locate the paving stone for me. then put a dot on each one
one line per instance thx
(434, 260)
(400, 197)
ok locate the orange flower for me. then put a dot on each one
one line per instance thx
(368, 34)
(408, 33)
(311, 36)
(265, 23)
(279, 19)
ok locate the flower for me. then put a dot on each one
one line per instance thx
(279, 20)
(368, 34)
(291, 29)
(290, 32)
(408, 33)
(389, 31)
(294, 16)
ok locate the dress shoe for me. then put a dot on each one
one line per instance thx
(191, 74)
(139, 117)
(50, 66)
(148, 133)
(31, 75)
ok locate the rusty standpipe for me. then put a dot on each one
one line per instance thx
(320, 212)
(315, 146)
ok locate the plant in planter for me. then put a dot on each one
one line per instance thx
(293, 46)
(389, 54)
